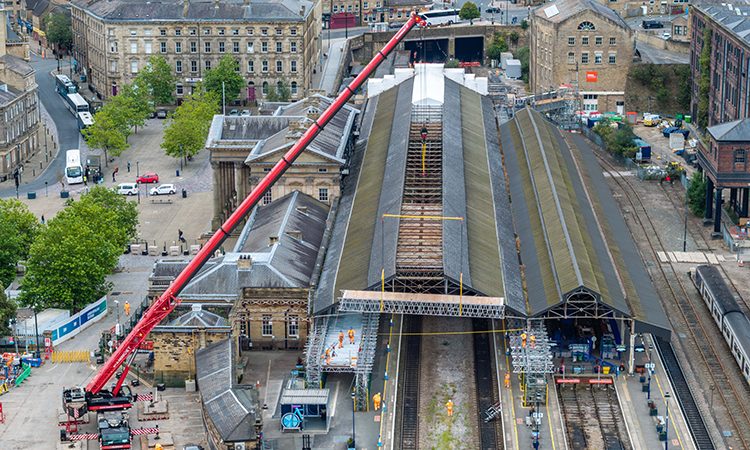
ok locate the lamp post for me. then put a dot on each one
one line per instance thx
(46, 186)
(36, 332)
(684, 231)
(117, 325)
(666, 423)
(137, 175)
(354, 403)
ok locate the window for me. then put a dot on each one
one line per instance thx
(267, 328)
(264, 88)
(207, 47)
(193, 32)
(322, 170)
(335, 8)
(323, 194)
(293, 66)
(264, 47)
(613, 58)
(597, 58)
(207, 31)
(180, 89)
(235, 31)
(598, 40)
(267, 197)
(193, 46)
(208, 65)
(584, 40)
(178, 47)
(235, 47)
(250, 47)
(177, 32)
(221, 31)
(571, 58)
(163, 47)
(278, 47)
(162, 32)
(294, 88)
(279, 66)
(264, 66)
(113, 47)
(178, 66)
(148, 48)
(133, 47)
(586, 26)
(293, 31)
(571, 40)
(113, 66)
(293, 325)
(147, 32)
(250, 31)
(193, 66)
(613, 41)
(133, 66)
(278, 31)
(251, 66)
(264, 31)
(133, 32)
(585, 58)
(739, 156)
(221, 47)
(293, 47)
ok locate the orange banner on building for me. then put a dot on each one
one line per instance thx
(592, 76)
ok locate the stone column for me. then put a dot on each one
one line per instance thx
(218, 207)
(717, 210)
(709, 200)
(745, 198)
(240, 181)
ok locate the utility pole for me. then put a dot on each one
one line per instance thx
(684, 231)
(223, 99)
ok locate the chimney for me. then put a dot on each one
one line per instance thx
(302, 11)
(245, 262)
(272, 240)
(295, 130)
(295, 234)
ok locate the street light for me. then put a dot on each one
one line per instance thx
(684, 231)
(117, 326)
(666, 423)
(354, 403)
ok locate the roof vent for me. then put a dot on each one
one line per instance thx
(245, 262)
(272, 240)
(295, 234)
(302, 209)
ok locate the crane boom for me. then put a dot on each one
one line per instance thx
(166, 303)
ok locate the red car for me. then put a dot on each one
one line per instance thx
(150, 177)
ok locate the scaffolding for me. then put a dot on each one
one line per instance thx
(314, 348)
(422, 304)
(531, 356)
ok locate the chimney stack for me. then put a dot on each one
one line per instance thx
(245, 262)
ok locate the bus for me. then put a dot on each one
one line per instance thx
(441, 17)
(64, 86)
(85, 120)
(76, 103)
(73, 169)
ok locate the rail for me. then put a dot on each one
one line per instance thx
(409, 391)
(486, 386)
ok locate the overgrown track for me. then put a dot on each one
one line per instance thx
(409, 390)
(715, 360)
(592, 417)
(490, 434)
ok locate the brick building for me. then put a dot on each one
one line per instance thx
(724, 159)
(729, 92)
(369, 11)
(585, 43)
(273, 41)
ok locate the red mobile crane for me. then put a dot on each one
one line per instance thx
(94, 397)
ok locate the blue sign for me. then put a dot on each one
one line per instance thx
(291, 420)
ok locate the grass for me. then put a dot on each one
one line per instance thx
(443, 427)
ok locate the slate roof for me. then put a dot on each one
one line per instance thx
(473, 187)
(734, 131)
(735, 18)
(197, 317)
(8, 96)
(198, 10)
(38, 7)
(572, 235)
(17, 65)
(231, 407)
(561, 10)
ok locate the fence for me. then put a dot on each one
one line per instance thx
(79, 322)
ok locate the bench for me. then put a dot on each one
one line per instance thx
(162, 200)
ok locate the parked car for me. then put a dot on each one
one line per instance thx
(493, 10)
(149, 177)
(192, 447)
(666, 35)
(245, 112)
(164, 189)
(127, 189)
(234, 112)
(161, 114)
(651, 24)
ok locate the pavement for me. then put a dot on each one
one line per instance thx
(653, 55)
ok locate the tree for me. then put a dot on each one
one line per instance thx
(7, 312)
(497, 47)
(280, 93)
(704, 82)
(697, 194)
(524, 25)
(227, 72)
(158, 77)
(618, 139)
(106, 134)
(135, 101)
(18, 228)
(469, 12)
(126, 213)
(188, 127)
(59, 30)
(523, 55)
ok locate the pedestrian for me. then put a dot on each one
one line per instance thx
(127, 308)
(181, 236)
(114, 174)
(42, 219)
(128, 166)
(85, 180)
(328, 356)
(532, 341)
(376, 400)
(351, 336)
(341, 339)
(449, 408)
(507, 380)
(523, 340)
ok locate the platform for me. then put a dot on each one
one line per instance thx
(422, 304)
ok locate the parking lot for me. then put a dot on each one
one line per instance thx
(661, 153)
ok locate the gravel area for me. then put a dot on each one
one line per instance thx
(447, 373)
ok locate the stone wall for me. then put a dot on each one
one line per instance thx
(174, 351)
(276, 307)
(658, 42)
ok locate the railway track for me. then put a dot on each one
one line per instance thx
(490, 435)
(718, 364)
(409, 390)
(592, 417)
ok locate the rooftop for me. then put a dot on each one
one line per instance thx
(734, 17)
(231, 11)
(734, 131)
(197, 317)
(561, 10)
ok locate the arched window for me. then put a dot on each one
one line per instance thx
(265, 88)
(586, 26)
(294, 88)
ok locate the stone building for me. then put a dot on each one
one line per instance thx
(273, 40)
(370, 11)
(724, 159)
(176, 343)
(729, 91)
(19, 107)
(584, 43)
(244, 148)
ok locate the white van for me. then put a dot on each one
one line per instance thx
(127, 189)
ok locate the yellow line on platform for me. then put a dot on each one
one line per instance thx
(512, 403)
(549, 420)
(662, 395)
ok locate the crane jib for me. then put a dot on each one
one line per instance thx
(166, 303)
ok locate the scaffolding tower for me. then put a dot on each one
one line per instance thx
(531, 357)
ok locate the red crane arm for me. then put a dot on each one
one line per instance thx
(168, 300)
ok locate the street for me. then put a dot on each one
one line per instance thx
(654, 55)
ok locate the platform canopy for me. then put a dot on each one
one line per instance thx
(423, 304)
